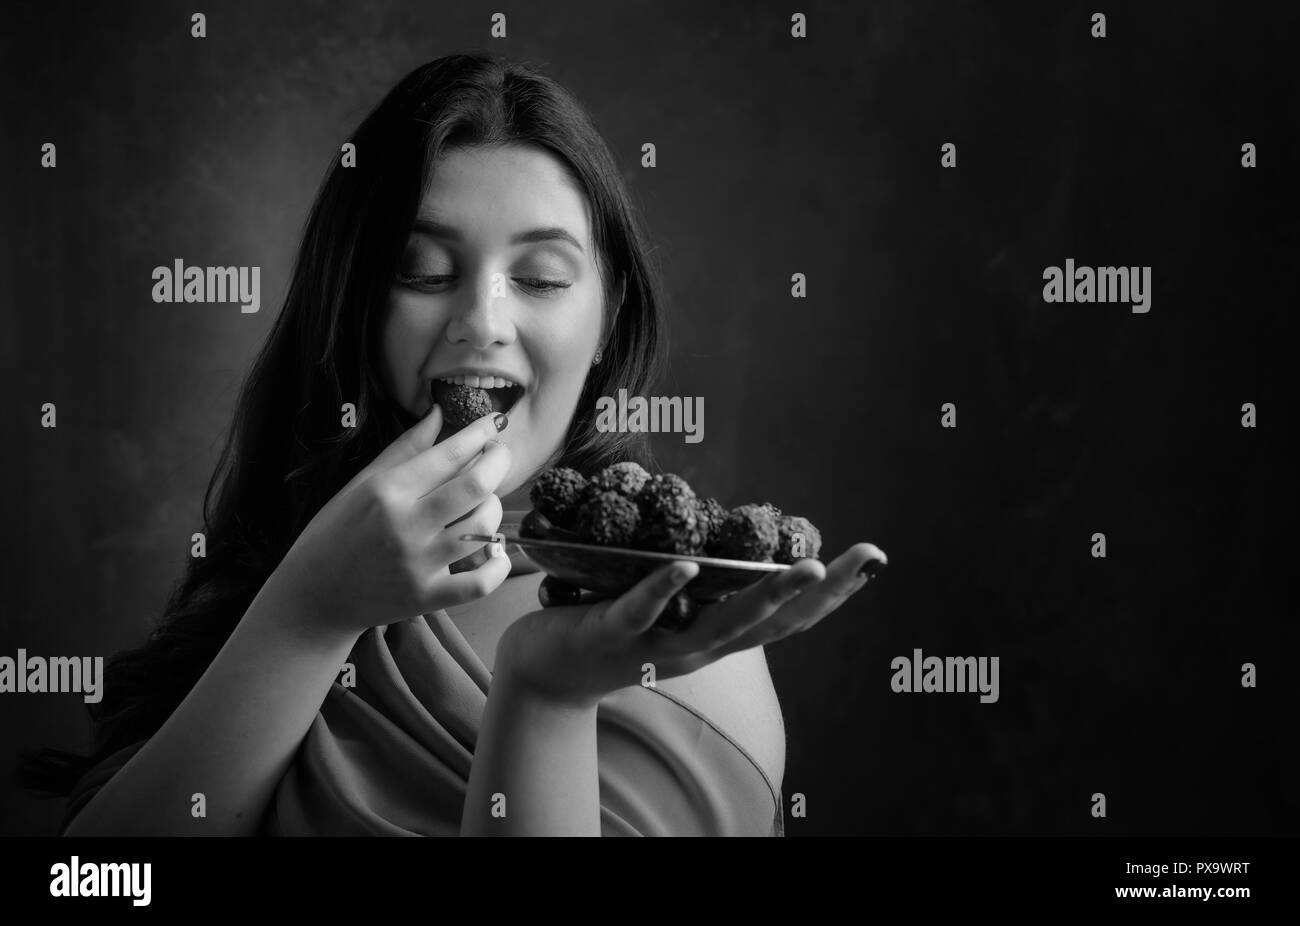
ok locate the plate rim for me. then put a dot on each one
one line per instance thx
(714, 561)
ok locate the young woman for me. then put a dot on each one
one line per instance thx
(341, 662)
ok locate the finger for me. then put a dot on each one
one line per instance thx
(463, 587)
(843, 577)
(846, 574)
(636, 610)
(453, 500)
(774, 631)
(437, 463)
(715, 626)
(408, 445)
(447, 547)
(818, 608)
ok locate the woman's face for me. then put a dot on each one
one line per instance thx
(490, 283)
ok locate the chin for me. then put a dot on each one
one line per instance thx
(512, 485)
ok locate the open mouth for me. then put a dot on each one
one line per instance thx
(467, 397)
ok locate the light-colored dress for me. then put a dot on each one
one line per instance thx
(391, 756)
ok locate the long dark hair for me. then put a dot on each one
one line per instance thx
(285, 454)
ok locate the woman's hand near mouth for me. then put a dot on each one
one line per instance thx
(375, 554)
(379, 551)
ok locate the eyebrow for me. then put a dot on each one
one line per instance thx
(435, 229)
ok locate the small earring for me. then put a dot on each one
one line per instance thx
(597, 360)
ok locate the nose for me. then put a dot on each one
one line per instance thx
(481, 318)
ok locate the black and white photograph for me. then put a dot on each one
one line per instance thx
(712, 419)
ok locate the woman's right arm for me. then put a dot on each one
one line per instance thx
(233, 736)
(377, 553)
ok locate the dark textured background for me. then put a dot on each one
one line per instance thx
(821, 156)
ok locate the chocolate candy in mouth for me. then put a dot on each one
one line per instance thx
(462, 404)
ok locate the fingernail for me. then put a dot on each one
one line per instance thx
(553, 591)
(681, 572)
(871, 568)
(496, 549)
(500, 421)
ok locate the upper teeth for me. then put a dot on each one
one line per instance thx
(478, 382)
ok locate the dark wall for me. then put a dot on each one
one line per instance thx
(821, 156)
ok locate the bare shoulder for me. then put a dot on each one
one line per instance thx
(736, 694)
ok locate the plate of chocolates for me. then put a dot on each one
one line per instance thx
(606, 532)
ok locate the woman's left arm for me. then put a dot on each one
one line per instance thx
(535, 763)
(534, 768)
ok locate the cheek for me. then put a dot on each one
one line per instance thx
(562, 359)
(403, 342)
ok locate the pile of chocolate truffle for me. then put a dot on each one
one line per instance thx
(625, 506)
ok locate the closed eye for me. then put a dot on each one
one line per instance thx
(430, 282)
(537, 283)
